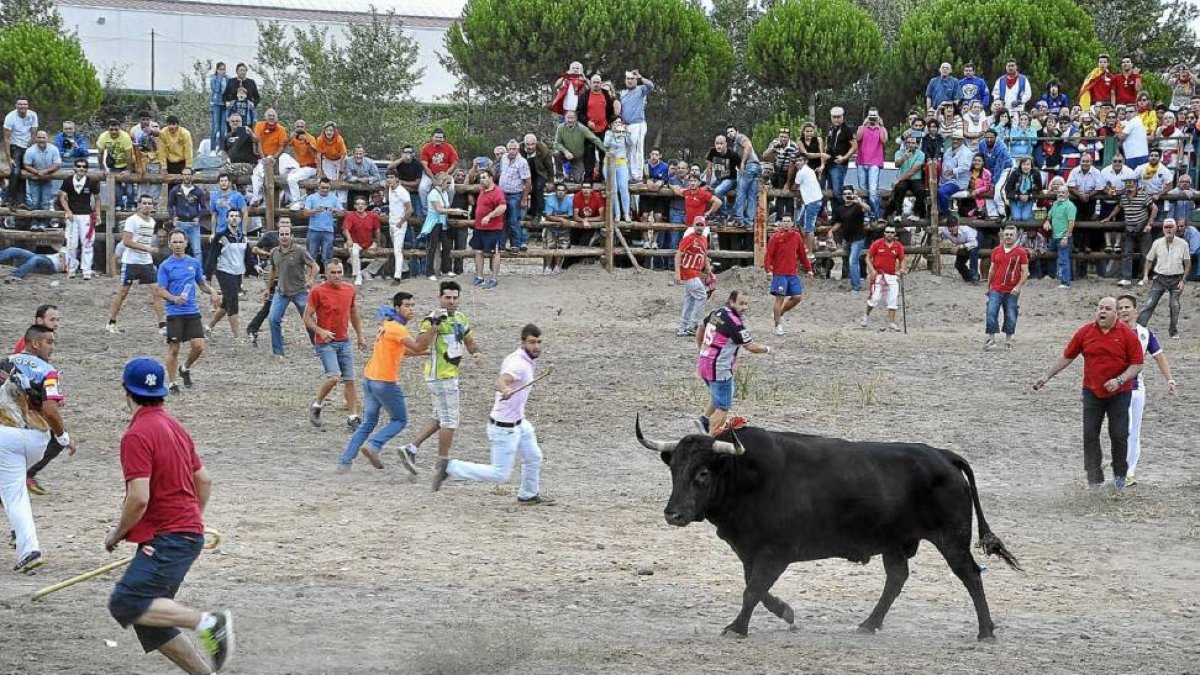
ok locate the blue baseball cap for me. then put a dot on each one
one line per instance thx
(145, 377)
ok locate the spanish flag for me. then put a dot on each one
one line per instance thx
(1085, 92)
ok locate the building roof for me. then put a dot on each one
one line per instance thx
(416, 13)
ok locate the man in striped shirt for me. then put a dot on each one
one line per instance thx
(1139, 210)
(1009, 271)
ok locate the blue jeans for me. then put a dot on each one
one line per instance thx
(27, 262)
(418, 207)
(746, 204)
(279, 303)
(1009, 302)
(1021, 211)
(621, 209)
(856, 249)
(724, 187)
(806, 217)
(512, 220)
(945, 191)
(378, 395)
(39, 196)
(868, 179)
(320, 246)
(216, 136)
(1064, 259)
(157, 570)
(192, 231)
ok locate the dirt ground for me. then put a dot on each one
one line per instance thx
(373, 573)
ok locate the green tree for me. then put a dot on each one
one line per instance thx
(1051, 39)
(42, 13)
(747, 104)
(807, 46)
(1156, 34)
(50, 70)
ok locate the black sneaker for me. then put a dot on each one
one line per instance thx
(536, 500)
(29, 563)
(218, 640)
(314, 414)
(174, 389)
(440, 474)
(186, 376)
(353, 422)
(253, 339)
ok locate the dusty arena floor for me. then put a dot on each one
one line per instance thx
(373, 573)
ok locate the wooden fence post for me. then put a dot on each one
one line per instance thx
(269, 199)
(109, 226)
(760, 219)
(610, 182)
(935, 252)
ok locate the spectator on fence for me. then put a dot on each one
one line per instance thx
(1098, 85)
(217, 110)
(401, 205)
(808, 187)
(1182, 81)
(979, 190)
(79, 196)
(633, 111)
(811, 149)
(488, 238)
(516, 182)
(956, 169)
(1002, 123)
(360, 171)
(965, 241)
(598, 107)
(244, 108)
(145, 135)
(1155, 177)
(175, 146)
(1139, 211)
(1191, 235)
(361, 230)
(498, 153)
(241, 147)
(910, 181)
(618, 145)
(698, 201)
(782, 152)
(970, 88)
(70, 143)
(187, 204)
(304, 150)
(1134, 139)
(560, 210)
(745, 206)
(841, 145)
(1054, 99)
(1086, 185)
(942, 88)
(20, 128)
(677, 177)
(721, 171)
(1181, 202)
(589, 206)
(568, 90)
(437, 156)
(1022, 189)
(27, 262)
(117, 156)
(1035, 241)
(331, 147)
(1048, 153)
(322, 208)
(1170, 139)
(655, 176)
(848, 220)
(1022, 138)
(409, 170)
(1006, 276)
(932, 142)
(691, 266)
(975, 123)
(224, 199)
(541, 171)
(571, 142)
(996, 159)
(241, 81)
(41, 162)
(1170, 260)
(272, 141)
(1012, 87)
(437, 230)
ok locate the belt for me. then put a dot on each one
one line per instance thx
(620, 160)
(504, 425)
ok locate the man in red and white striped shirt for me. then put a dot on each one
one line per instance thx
(1010, 270)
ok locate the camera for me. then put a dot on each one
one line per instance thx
(437, 316)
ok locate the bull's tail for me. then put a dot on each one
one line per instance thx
(988, 541)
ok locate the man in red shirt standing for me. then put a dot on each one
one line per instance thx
(698, 202)
(1127, 84)
(885, 266)
(361, 229)
(1009, 272)
(166, 490)
(691, 264)
(437, 156)
(490, 206)
(332, 308)
(1112, 359)
(785, 253)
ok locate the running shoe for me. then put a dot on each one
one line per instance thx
(477, 281)
(408, 457)
(778, 330)
(372, 455)
(536, 500)
(353, 421)
(863, 322)
(174, 389)
(34, 486)
(113, 328)
(30, 562)
(440, 474)
(186, 376)
(217, 640)
(314, 414)
(490, 284)
(989, 344)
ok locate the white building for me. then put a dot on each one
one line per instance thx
(118, 33)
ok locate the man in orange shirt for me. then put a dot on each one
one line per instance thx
(332, 308)
(785, 253)
(381, 379)
(691, 264)
(332, 149)
(304, 149)
(272, 141)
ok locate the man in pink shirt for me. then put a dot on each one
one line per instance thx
(508, 430)
(871, 138)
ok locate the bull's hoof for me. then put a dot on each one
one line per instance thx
(733, 633)
(865, 628)
(789, 616)
(990, 639)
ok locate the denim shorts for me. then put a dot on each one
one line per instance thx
(337, 358)
(157, 570)
(721, 393)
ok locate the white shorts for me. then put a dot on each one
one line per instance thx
(445, 402)
(885, 283)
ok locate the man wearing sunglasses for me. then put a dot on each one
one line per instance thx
(79, 196)
(885, 266)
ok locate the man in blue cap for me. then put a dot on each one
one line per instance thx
(166, 490)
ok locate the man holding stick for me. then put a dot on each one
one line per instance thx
(166, 490)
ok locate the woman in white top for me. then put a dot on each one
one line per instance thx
(1127, 311)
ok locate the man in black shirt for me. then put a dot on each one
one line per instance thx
(79, 196)
(241, 147)
(841, 146)
(721, 172)
(848, 220)
(409, 171)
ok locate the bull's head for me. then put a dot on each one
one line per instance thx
(697, 462)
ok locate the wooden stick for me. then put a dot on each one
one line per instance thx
(628, 252)
(546, 373)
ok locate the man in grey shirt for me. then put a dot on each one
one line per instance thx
(292, 273)
(745, 207)
(633, 111)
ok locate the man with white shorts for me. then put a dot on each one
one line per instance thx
(454, 336)
(79, 196)
(1127, 312)
(885, 266)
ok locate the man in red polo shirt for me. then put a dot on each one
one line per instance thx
(1009, 272)
(166, 490)
(1112, 359)
(361, 229)
(885, 266)
(697, 201)
(437, 156)
(691, 264)
(490, 205)
(331, 309)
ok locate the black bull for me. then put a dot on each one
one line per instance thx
(778, 498)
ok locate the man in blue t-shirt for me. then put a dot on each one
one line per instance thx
(178, 278)
(321, 207)
(222, 202)
(560, 210)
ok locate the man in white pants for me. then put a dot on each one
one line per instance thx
(304, 149)
(633, 111)
(79, 196)
(399, 209)
(26, 427)
(508, 430)
(885, 266)
(1127, 312)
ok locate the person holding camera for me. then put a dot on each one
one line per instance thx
(870, 139)
(381, 380)
(71, 144)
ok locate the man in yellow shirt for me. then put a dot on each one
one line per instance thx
(175, 146)
(381, 380)
(118, 155)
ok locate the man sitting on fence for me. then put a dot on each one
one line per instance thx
(965, 240)
(560, 208)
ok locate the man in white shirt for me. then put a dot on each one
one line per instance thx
(1154, 176)
(812, 197)
(20, 126)
(139, 241)
(966, 248)
(1134, 143)
(1171, 260)
(399, 209)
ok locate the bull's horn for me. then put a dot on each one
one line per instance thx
(659, 446)
(727, 448)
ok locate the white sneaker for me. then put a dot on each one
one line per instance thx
(87, 276)
(893, 328)
(778, 329)
(451, 274)
(1124, 282)
(1141, 282)
(358, 280)
(1063, 286)
(433, 277)
(989, 344)
(863, 321)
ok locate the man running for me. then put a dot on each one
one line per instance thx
(691, 265)
(25, 430)
(885, 266)
(721, 335)
(785, 254)
(48, 316)
(139, 242)
(381, 381)
(166, 490)
(454, 336)
(508, 429)
(178, 279)
(332, 308)
(292, 273)
(1151, 347)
